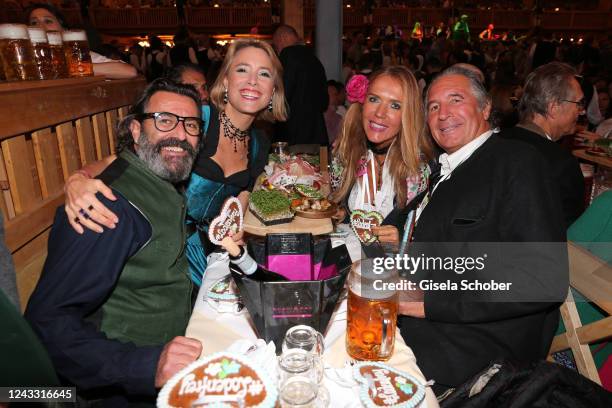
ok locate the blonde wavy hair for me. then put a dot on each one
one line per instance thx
(279, 103)
(410, 147)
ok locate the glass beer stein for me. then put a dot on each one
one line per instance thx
(16, 53)
(42, 52)
(305, 338)
(76, 49)
(58, 58)
(371, 313)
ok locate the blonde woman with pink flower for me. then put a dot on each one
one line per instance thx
(382, 151)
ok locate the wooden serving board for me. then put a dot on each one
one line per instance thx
(299, 225)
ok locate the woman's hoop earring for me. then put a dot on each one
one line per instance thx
(225, 97)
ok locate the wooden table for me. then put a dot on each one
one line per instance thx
(299, 225)
(605, 161)
(218, 331)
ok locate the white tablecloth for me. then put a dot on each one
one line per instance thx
(218, 331)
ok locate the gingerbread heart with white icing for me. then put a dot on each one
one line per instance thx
(384, 386)
(229, 220)
(362, 223)
(222, 379)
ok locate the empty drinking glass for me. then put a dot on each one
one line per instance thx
(299, 379)
(305, 338)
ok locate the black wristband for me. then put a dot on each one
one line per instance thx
(237, 257)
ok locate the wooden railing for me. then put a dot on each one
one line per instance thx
(478, 19)
(234, 17)
(49, 129)
(140, 20)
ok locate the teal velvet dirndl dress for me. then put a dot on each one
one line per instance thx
(208, 188)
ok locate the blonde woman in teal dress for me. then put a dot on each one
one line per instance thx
(231, 155)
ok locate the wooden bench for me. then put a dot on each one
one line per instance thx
(49, 129)
(592, 277)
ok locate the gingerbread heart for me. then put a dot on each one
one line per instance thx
(362, 223)
(229, 220)
(222, 379)
(384, 386)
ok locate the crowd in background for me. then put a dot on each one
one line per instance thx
(505, 64)
(364, 5)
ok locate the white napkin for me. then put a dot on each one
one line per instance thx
(217, 268)
(263, 355)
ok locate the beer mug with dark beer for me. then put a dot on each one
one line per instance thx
(16, 53)
(42, 53)
(58, 58)
(371, 312)
(76, 49)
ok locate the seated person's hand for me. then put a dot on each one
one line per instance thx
(82, 206)
(588, 137)
(176, 355)
(387, 233)
(411, 303)
(340, 214)
(238, 237)
(414, 309)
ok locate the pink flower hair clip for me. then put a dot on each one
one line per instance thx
(357, 88)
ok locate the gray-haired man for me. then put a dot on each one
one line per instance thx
(485, 194)
(551, 103)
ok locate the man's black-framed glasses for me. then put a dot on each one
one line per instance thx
(581, 103)
(166, 121)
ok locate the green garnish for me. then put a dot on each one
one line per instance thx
(270, 202)
(313, 160)
(308, 191)
(274, 158)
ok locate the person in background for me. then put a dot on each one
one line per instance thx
(504, 113)
(382, 152)
(191, 74)
(214, 54)
(417, 32)
(51, 19)
(487, 34)
(603, 98)
(138, 59)
(202, 42)
(341, 95)
(112, 308)
(461, 31)
(183, 51)
(333, 120)
(157, 60)
(551, 103)
(306, 90)
(231, 157)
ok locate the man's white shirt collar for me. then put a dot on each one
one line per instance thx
(449, 162)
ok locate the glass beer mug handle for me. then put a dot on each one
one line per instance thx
(386, 343)
(321, 343)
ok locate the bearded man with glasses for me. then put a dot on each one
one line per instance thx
(111, 307)
(550, 105)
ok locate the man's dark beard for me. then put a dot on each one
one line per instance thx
(151, 155)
